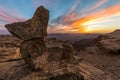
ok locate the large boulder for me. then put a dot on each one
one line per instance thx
(60, 50)
(35, 27)
(33, 34)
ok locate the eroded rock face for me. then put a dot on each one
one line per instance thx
(31, 50)
(109, 42)
(35, 27)
(33, 34)
(67, 52)
(60, 50)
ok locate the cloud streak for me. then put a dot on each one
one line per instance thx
(71, 15)
(4, 16)
(81, 24)
(7, 16)
(95, 6)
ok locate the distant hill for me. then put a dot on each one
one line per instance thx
(116, 32)
(60, 36)
(108, 42)
(72, 37)
(84, 43)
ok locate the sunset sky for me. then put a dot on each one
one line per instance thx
(66, 16)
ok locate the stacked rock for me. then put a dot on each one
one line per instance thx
(33, 34)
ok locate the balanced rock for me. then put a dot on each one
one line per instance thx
(33, 34)
(32, 28)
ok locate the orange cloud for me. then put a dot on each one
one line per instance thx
(104, 13)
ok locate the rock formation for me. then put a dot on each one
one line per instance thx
(109, 42)
(33, 32)
(55, 63)
(32, 28)
(67, 53)
(60, 50)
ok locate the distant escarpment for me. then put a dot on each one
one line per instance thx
(84, 43)
(109, 42)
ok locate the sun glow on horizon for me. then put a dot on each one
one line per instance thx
(100, 22)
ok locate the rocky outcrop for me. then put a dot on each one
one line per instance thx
(109, 42)
(68, 52)
(53, 61)
(31, 51)
(53, 71)
(55, 67)
(33, 32)
(60, 50)
(36, 27)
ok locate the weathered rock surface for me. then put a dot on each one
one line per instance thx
(53, 67)
(83, 70)
(60, 50)
(33, 33)
(36, 27)
(67, 52)
(110, 42)
(31, 51)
